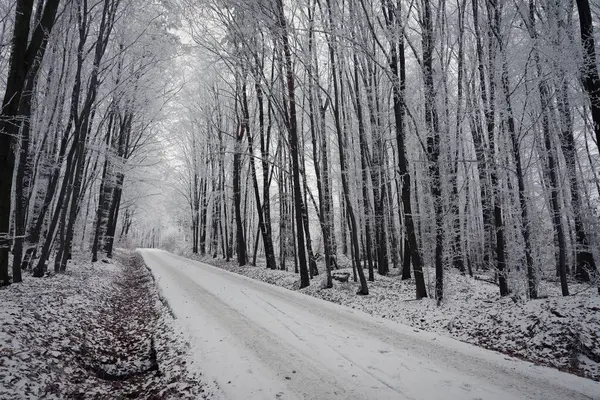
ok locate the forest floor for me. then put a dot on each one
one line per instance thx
(99, 331)
(556, 331)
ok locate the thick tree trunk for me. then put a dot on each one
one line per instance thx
(103, 198)
(589, 75)
(26, 54)
(23, 181)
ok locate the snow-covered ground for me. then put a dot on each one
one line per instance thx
(261, 341)
(90, 333)
(557, 331)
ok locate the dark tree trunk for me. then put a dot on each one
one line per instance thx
(114, 215)
(481, 149)
(44, 197)
(323, 210)
(59, 210)
(312, 261)
(364, 166)
(237, 198)
(265, 141)
(84, 119)
(203, 215)
(294, 148)
(22, 185)
(381, 183)
(552, 174)
(283, 214)
(397, 64)
(584, 258)
(433, 148)
(103, 198)
(25, 57)
(327, 191)
(590, 77)
(123, 154)
(458, 260)
(267, 242)
(489, 114)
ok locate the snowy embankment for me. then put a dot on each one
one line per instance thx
(97, 331)
(561, 332)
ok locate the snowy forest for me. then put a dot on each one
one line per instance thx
(423, 141)
(403, 135)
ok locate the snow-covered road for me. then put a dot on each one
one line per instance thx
(259, 341)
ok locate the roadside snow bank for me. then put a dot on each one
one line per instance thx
(96, 331)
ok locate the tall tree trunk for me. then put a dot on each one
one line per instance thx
(397, 65)
(264, 150)
(323, 210)
(114, 215)
(488, 100)
(481, 150)
(516, 150)
(267, 242)
(84, 119)
(328, 209)
(585, 262)
(237, 198)
(22, 185)
(312, 261)
(26, 55)
(589, 70)
(103, 200)
(364, 290)
(293, 141)
(364, 166)
(457, 248)
(433, 147)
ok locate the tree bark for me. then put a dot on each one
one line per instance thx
(589, 70)
(397, 65)
(343, 165)
(433, 147)
(25, 57)
(237, 199)
(293, 142)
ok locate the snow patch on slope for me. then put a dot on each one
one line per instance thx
(59, 333)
